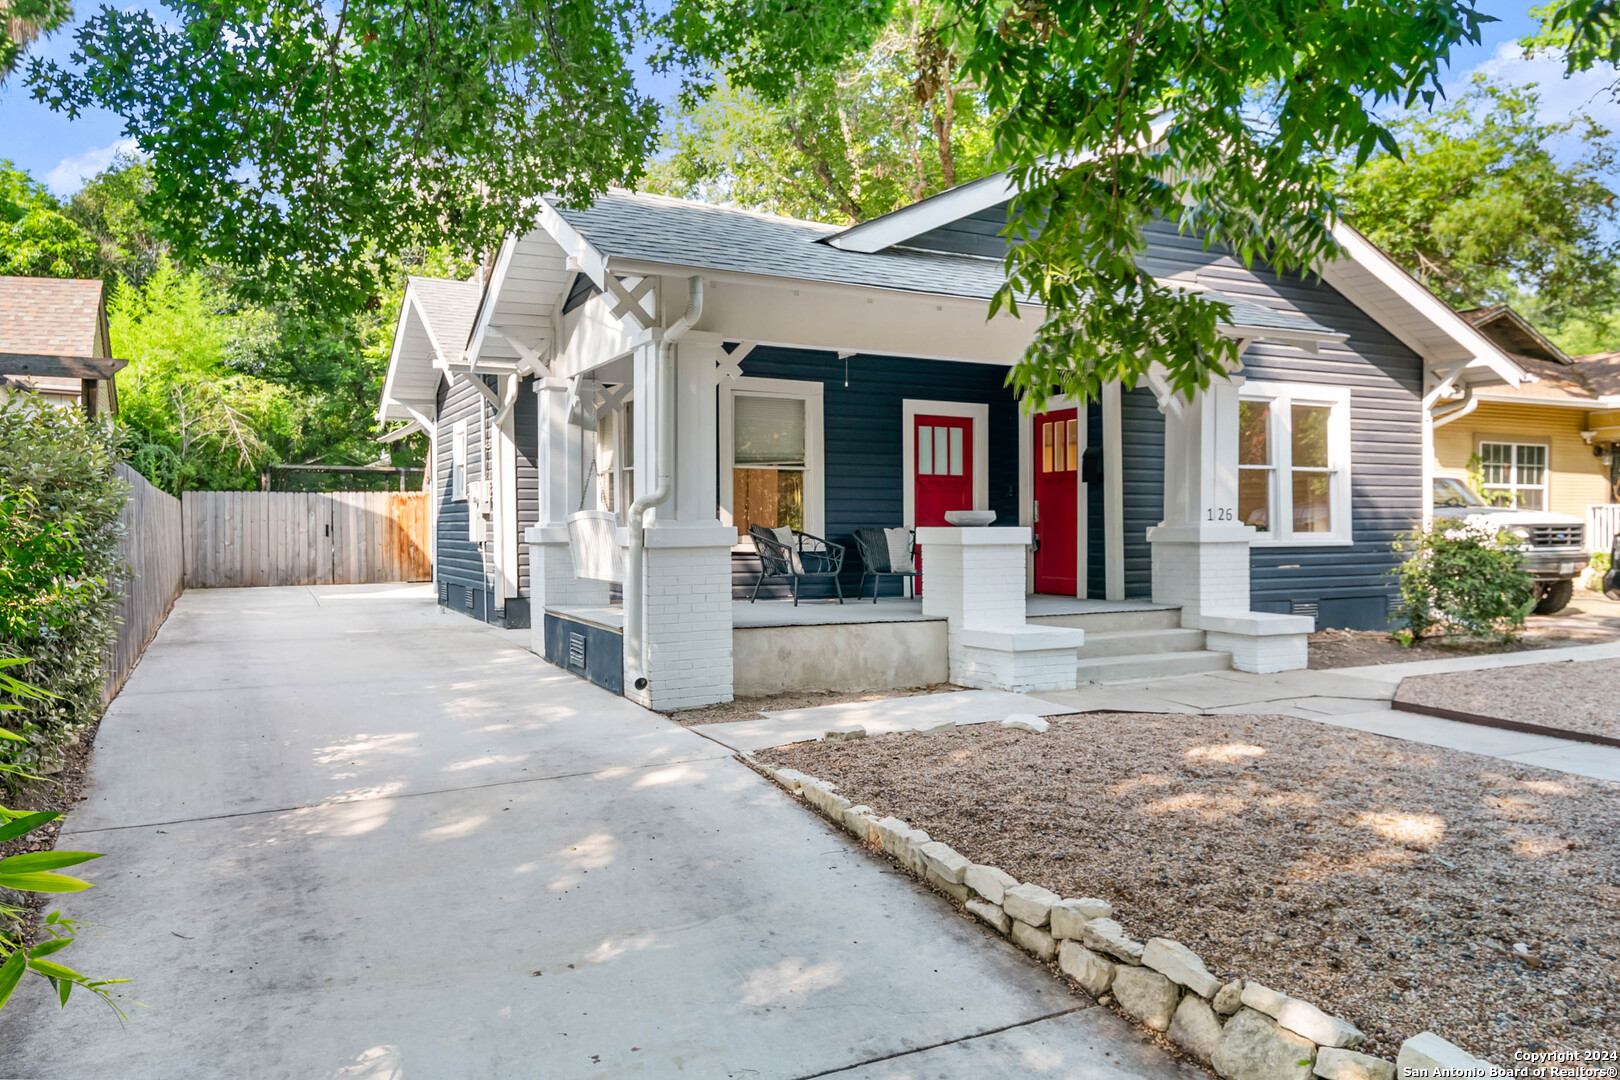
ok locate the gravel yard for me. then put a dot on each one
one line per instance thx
(1581, 696)
(754, 708)
(1387, 882)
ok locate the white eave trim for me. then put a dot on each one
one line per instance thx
(399, 433)
(1409, 290)
(486, 303)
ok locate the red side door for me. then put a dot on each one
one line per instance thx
(1057, 502)
(942, 449)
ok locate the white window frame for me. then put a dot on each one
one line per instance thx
(1513, 487)
(811, 393)
(458, 462)
(1280, 431)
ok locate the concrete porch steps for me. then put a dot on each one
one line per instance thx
(1150, 666)
(1123, 620)
(1106, 644)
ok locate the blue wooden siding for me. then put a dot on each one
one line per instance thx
(1142, 467)
(862, 440)
(1350, 584)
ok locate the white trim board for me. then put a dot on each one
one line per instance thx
(815, 462)
(910, 408)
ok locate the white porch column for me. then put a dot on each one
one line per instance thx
(974, 578)
(687, 580)
(564, 456)
(1201, 550)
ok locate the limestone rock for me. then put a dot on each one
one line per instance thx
(990, 913)
(859, 820)
(1029, 902)
(1253, 1047)
(1107, 936)
(955, 891)
(1094, 974)
(845, 734)
(1230, 998)
(1033, 939)
(1195, 1027)
(1301, 1017)
(1429, 1051)
(1026, 722)
(945, 861)
(1146, 995)
(989, 882)
(1334, 1063)
(1181, 965)
(1069, 918)
(790, 778)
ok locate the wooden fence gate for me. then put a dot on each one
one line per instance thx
(242, 538)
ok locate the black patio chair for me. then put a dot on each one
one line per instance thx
(877, 558)
(809, 557)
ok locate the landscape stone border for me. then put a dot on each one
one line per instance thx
(1243, 1030)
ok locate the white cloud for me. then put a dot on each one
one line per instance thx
(1586, 91)
(71, 172)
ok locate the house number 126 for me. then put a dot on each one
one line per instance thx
(1220, 513)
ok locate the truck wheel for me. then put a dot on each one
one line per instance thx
(1555, 597)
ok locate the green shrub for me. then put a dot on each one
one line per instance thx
(1463, 577)
(1600, 563)
(60, 571)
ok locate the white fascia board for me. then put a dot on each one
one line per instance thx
(1409, 290)
(1587, 404)
(591, 261)
(399, 433)
(427, 326)
(930, 213)
(492, 292)
(394, 358)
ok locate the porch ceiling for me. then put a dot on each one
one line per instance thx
(520, 309)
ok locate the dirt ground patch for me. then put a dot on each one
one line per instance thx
(1589, 619)
(1582, 696)
(1385, 881)
(754, 708)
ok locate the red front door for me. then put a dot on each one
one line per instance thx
(1057, 509)
(942, 448)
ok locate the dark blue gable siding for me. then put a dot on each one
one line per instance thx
(862, 437)
(1350, 584)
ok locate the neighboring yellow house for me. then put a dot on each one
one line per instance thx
(1550, 444)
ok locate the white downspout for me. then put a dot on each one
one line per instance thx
(634, 614)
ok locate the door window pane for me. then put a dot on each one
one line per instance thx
(1311, 436)
(1072, 461)
(1254, 498)
(1046, 447)
(942, 453)
(1254, 427)
(1311, 506)
(956, 450)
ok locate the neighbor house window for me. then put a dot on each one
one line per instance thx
(1514, 474)
(772, 428)
(1294, 462)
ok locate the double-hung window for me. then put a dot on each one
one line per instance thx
(1514, 474)
(1294, 463)
(771, 446)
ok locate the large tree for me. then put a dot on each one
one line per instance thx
(894, 124)
(1478, 206)
(298, 141)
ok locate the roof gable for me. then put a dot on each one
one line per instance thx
(53, 317)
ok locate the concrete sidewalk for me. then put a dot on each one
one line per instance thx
(350, 837)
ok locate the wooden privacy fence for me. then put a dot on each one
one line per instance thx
(242, 538)
(151, 546)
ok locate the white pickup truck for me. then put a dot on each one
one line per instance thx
(1554, 545)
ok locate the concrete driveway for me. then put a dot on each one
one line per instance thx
(348, 836)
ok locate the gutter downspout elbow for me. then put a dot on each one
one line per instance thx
(635, 569)
(1468, 404)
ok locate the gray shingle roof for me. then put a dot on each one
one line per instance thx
(658, 229)
(451, 307)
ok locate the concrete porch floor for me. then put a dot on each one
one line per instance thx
(854, 612)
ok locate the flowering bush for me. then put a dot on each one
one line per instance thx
(1465, 577)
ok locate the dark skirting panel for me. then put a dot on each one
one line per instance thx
(591, 652)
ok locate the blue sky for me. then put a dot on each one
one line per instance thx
(62, 152)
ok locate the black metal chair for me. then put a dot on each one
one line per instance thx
(877, 558)
(809, 557)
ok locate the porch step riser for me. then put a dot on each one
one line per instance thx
(1115, 622)
(1164, 665)
(1101, 646)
